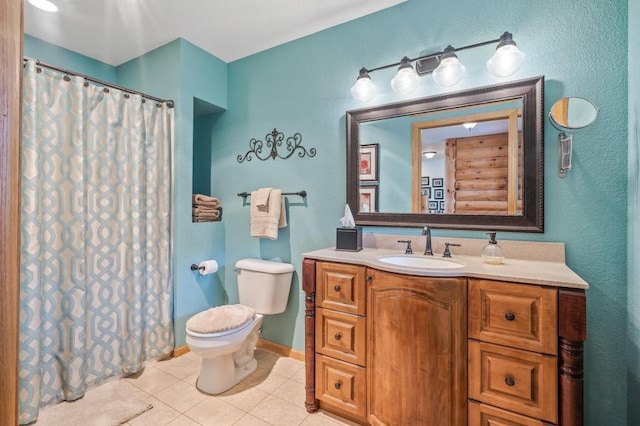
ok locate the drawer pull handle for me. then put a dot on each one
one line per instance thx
(510, 316)
(337, 385)
(338, 336)
(336, 287)
(509, 381)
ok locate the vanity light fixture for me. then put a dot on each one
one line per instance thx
(469, 125)
(406, 80)
(429, 154)
(364, 90)
(45, 5)
(450, 71)
(445, 66)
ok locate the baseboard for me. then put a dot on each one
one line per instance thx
(179, 351)
(262, 344)
(280, 349)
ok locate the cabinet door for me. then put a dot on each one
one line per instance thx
(416, 350)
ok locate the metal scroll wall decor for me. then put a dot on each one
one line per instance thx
(275, 143)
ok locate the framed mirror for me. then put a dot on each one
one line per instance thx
(465, 160)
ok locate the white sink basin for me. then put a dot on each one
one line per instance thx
(420, 262)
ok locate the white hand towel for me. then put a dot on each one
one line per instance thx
(266, 220)
(261, 196)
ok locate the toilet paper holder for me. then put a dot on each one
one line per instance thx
(195, 267)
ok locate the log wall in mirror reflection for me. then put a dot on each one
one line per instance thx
(487, 175)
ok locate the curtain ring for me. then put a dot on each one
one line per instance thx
(66, 77)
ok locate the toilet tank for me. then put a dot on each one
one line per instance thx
(264, 285)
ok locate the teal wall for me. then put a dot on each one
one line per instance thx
(303, 86)
(633, 241)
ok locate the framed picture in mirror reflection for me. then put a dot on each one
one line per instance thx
(369, 199)
(438, 193)
(437, 182)
(369, 162)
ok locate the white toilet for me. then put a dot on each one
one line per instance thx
(225, 336)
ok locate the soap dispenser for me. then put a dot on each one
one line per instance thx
(492, 253)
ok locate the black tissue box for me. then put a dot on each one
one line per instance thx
(349, 239)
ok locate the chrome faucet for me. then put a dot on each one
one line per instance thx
(428, 251)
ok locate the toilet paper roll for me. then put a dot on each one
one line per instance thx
(207, 267)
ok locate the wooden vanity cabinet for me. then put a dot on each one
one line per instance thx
(441, 351)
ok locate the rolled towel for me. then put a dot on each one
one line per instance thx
(214, 215)
(205, 200)
(203, 209)
(205, 219)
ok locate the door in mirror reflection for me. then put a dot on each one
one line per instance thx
(478, 163)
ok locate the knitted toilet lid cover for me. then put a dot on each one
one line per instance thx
(220, 318)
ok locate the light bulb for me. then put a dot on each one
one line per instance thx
(364, 90)
(45, 5)
(450, 71)
(406, 80)
(507, 59)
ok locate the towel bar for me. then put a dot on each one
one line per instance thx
(302, 193)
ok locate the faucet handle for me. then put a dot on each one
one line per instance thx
(409, 249)
(447, 252)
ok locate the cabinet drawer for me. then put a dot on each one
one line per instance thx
(518, 315)
(340, 335)
(486, 415)
(341, 287)
(341, 385)
(516, 380)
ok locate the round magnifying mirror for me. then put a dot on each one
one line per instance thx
(573, 113)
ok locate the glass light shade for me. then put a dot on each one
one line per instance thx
(506, 61)
(364, 90)
(45, 5)
(405, 81)
(449, 72)
(429, 154)
(469, 125)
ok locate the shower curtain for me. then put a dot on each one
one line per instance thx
(96, 284)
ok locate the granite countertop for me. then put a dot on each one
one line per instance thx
(544, 271)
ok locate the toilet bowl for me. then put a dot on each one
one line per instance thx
(227, 356)
(225, 336)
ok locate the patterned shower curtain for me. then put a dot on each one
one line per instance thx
(96, 284)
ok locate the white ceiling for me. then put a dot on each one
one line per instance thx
(115, 31)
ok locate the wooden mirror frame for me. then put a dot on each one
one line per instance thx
(532, 219)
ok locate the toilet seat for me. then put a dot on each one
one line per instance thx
(220, 319)
(222, 333)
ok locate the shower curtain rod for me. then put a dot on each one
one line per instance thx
(98, 81)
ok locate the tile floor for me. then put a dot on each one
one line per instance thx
(272, 395)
